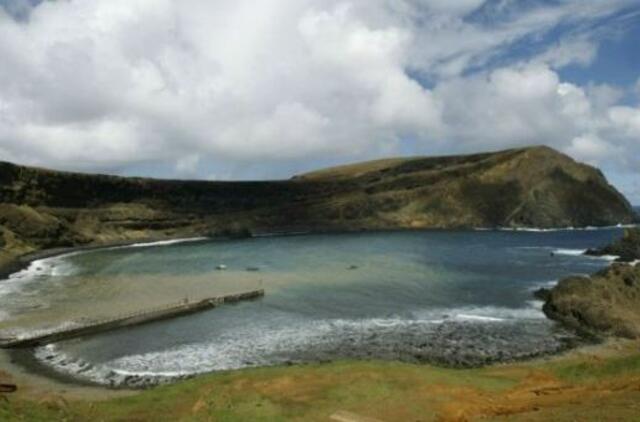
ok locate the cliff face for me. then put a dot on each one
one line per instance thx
(524, 187)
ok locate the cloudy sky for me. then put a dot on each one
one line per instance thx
(245, 89)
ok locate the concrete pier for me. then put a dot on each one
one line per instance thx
(129, 320)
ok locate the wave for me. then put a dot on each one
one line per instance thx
(569, 252)
(40, 269)
(558, 229)
(549, 284)
(260, 345)
(58, 267)
(158, 243)
(281, 234)
(582, 252)
(478, 318)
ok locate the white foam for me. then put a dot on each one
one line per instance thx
(561, 229)
(607, 257)
(159, 243)
(543, 285)
(227, 352)
(582, 252)
(261, 346)
(281, 234)
(53, 268)
(498, 314)
(59, 267)
(478, 318)
(570, 252)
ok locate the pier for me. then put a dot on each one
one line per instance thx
(86, 328)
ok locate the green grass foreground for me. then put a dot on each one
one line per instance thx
(581, 387)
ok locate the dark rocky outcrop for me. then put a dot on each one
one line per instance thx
(627, 248)
(536, 186)
(607, 303)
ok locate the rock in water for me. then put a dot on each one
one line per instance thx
(627, 248)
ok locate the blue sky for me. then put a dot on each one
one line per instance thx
(247, 90)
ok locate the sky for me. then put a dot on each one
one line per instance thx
(238, 90)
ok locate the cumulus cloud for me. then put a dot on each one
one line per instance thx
(112, 84)
(141, 80)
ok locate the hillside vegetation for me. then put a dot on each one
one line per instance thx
(535, 186)
(598, 385)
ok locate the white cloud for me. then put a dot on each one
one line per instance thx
(626, 119)
(113, 83)
(188, 165)
(590, 148)
(511, 106)
(529, 104)
(578, 51)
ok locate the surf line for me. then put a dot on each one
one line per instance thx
(129, 320)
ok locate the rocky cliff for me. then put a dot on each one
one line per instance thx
(605, 304)
(608, 302)
(522, 187)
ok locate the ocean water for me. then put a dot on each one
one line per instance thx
(445, 297)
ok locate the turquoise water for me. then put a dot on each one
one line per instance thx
(448, 297)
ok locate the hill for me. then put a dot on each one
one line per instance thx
(528, 187)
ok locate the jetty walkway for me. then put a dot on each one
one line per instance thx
(87, 327)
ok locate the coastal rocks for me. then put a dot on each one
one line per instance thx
(607, 303)
(450, 343)
(627, 248)
(453, 344)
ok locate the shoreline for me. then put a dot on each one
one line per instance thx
(34, 385)
(26, 360)
(41, 385)
(28, 365)
(22, 262)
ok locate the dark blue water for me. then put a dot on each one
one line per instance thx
(455, 298)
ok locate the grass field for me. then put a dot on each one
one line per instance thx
(600, 384)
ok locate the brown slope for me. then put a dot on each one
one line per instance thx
(522, 187)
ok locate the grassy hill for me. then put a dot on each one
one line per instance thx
(528, 187)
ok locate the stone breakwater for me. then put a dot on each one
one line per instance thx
(129, 320)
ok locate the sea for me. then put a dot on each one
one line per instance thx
(451, 298)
